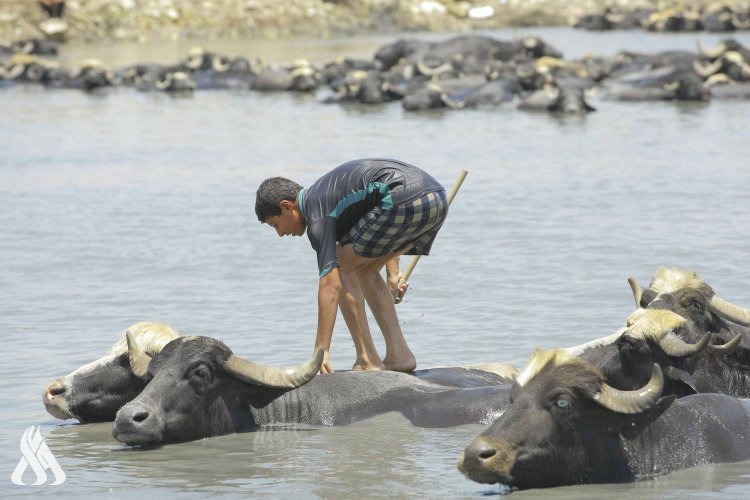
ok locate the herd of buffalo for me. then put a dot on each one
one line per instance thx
(715, 16)
(464, 72)
(658, 395)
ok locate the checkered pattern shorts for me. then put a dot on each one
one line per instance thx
(414, 224)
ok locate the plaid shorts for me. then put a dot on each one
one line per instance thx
(414, 224)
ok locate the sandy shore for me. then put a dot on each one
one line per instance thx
(144, 20)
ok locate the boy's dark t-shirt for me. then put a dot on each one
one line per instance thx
(336, 201)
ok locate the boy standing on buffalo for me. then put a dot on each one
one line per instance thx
(359, 217)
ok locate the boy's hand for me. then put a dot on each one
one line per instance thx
(398, 287)
(326, 366)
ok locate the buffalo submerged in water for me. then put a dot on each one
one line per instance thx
(97, 390)
(686, 294)
(566, 425)
(198, 388)
(651, 336)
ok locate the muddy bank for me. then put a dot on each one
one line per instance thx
(143, 20)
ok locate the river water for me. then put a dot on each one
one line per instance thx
(121, 206)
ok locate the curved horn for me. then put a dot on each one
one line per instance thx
(450, 102)
(273, 377)
(671, 87)
(615, 18)
(139, 360)
(303, 71)
(427, 71)
(27, 48)
(637, 290)
(706, 70)
(739, 23)
(712, 53)
(522, 72)
(221, 64)
(734, 57)
(16, 71)
(165, 83)
(677, 348)
(631, 402)
(728, 348)
(729, 311)
(717, 79)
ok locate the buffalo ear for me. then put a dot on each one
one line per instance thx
(647, 297)
(681, 379)
(634, 424)
(139, 360)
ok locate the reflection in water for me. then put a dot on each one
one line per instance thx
(382, 456)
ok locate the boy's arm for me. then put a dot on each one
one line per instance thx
(396, 283)
(329, 289)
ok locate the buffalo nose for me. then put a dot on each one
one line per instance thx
(55, 389)
(480, 449)
(140, 415)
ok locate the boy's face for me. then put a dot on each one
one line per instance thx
(290, 221)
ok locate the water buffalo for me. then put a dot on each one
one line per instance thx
(199, 388)
(391, 54)
(366, 87)
(91, 75)
(656, 336)
(299, 76)
(97, 390)
(723, 87)
(688, 295)
(557, 99)
(566, 425)
(673, 82)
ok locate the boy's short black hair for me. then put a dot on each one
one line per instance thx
(271, 192)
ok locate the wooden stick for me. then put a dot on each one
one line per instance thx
(415, 258)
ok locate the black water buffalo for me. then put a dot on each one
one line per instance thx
(664, 83)
(469, 54)
(656, 336)
(686, 294)
(366, 87)
(460, 93)
(91, 75)
(557, 99)
(391, 54)
(566, 425)
(299, 76)
(723, 87)
(728, 58)
(198, 388)
(97, 390)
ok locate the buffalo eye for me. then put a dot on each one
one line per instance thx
(202, 373)
(696, 305)
(562, 403)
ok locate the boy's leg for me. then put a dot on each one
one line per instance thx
(398, 356)
(352, 305)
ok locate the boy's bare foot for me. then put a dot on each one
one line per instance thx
(405, 364)
(361, 366)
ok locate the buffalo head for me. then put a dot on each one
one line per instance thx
(95, 391)
(199, 388)
(562, 427)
